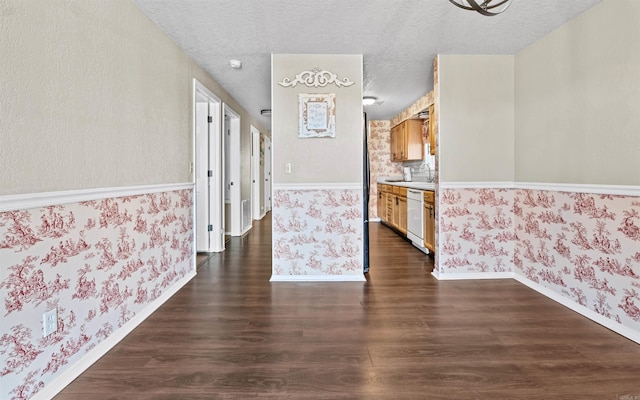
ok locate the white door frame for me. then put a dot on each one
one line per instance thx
(234, 183)
(267, 174)
(206, 170)
(256, 178)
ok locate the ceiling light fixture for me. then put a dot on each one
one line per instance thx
(368, 100)
(235, 64)
(484, 7)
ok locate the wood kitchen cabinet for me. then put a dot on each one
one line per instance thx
(396, 143)
(392, 206)
(383, 191)
(432, 130)
(429, 221)
(399, 220)
(406, 141)
(402, 210)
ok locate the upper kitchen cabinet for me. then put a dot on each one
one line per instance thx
(406, 141)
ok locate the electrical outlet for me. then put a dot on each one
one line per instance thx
(50, 322)
(191, 167)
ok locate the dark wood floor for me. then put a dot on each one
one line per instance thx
(230, 334)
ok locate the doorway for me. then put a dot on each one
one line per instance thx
(233, 209)
(257, 162)
(207, 170)
(267, 174)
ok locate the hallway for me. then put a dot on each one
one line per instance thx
(231, 334)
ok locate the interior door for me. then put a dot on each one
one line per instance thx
(232, 183)
(256, 179)
(267, 174)
(207, 170)
(201, 174)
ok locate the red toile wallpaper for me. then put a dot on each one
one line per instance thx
(379, 160)
(476, 230)
(98, 263)
(584, 247)
(317, 232)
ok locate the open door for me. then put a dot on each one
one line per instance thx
(232, 195)
(256, 175)
(207, 170)
(267, 174)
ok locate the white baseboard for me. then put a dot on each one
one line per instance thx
(580, 309)
(246, 229)
(317, 278)
(64, 379)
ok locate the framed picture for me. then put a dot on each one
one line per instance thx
(317, 115)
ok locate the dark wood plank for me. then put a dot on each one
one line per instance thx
(231, 334)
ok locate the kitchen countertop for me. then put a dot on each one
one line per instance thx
(408, 184)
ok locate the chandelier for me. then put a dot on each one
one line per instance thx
(484, 7)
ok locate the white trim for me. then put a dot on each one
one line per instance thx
(246, 229)
(35, 200)
(257, 181)
(580, 309)
(204, 146)
(317, 186)
(581, 188)
(234, 155)
(622, 190)
(317, 278)
(198, 87)
(476, 185)
(376, 219)
(472, 275)
(65, 378)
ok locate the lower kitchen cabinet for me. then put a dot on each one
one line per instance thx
(429, 221)
(392, 210)
(392, 206)
(382, 201)
(402, 210)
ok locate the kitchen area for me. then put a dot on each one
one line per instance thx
(405, 182)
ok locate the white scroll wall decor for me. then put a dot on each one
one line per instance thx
(316, 78)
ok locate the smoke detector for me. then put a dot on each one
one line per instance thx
(235, 64)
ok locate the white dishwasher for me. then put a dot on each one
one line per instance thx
(415, 218)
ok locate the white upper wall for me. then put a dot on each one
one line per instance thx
(94, 95)
(476, 125)
(317, 160)
(578, 100)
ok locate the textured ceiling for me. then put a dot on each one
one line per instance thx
(397, 38)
